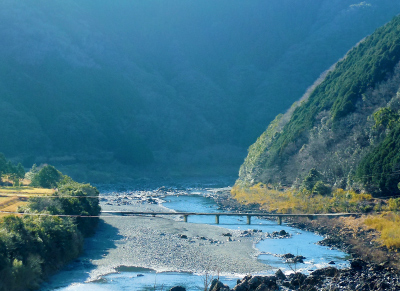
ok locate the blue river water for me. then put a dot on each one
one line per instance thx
(130, 278)
(301, 243)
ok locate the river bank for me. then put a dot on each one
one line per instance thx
(361, 276)
(373, 266)
(167, 245)
(163, 244)
(141, 250)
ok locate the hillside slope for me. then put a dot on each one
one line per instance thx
(345, 131)
(187, 85)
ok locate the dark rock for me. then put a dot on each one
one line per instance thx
(331, 263)
(382, 266)
(313, 280)
(265, 287)
(283, 232)
(183, 236)
(139, 275)
(255, 282)
(297, 279)
(298, 259)
(177, 288)
(330, 242)
(227, 234)
(357, 264)
(327, 272)
(247, 278)
(262, 287)
(270, 283)
(383, 285)
(217, 285)
(288, 256)
(286, 284)
(280, 275)
(241, 287)
(151, 201)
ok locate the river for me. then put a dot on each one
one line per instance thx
(112, 247)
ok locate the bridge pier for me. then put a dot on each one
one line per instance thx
(185, 217)
(217, 219)
(280, 220)
(248, 219)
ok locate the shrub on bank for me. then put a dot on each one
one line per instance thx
(301, 201)
(33, 246)
(388, 224)
(296, 201)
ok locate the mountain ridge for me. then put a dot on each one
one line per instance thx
(181, 85)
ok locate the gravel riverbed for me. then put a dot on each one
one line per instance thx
(167, 243)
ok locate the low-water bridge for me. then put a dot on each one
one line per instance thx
(248, 215)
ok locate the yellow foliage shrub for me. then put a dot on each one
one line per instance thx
(296, 201)
(388, 224)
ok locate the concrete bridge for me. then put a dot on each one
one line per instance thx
(248, 215)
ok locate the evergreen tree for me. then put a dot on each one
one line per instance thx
(48, 177)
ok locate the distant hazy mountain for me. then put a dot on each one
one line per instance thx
(183, 84)
(345, 133)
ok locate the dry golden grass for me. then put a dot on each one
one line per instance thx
(295, 201)
(388, 225)
(26, 190)
(13, 197)
(14, 206)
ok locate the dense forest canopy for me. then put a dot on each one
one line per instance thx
(177, 83)
(345, 132)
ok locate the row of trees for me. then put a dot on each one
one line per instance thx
(11, 172)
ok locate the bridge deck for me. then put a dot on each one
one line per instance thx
(218, 214)
(230, 213)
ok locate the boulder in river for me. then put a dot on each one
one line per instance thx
(298, 259)
(326, 272)
(283, 232)
(257, 283)
(177, 288)
(217, 285)
(288, 256)
(280, 275)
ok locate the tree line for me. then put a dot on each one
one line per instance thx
(32, 247)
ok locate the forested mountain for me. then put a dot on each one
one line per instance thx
(345, 132)
(184, 84)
